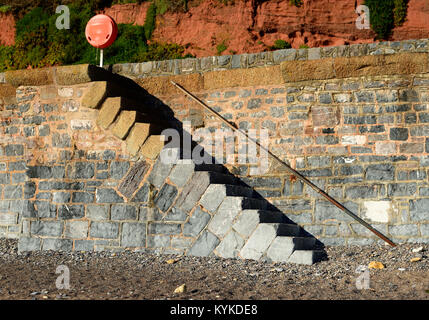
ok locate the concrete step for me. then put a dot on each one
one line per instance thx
(216, 193)
(307, 257)
(283, 246)
(287, 229)
(242, 203)
(249, 219)
(201, 167)
(260, 240)
(220, 178)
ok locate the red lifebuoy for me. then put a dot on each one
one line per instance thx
(101, 31)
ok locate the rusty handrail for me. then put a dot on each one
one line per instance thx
(292, 171)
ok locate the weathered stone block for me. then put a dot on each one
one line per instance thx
(97, 212)
(76, 229)
(380, 172)
(204, 245)
(124, 123)
(196, 223)
(104, 230)
(123, 212)
(132, 180)
(259, 241)
(118, 169)
(109, 111)
(29, 244)
(164, 228)
(71, 211)
(418, 209)
(107, 195)
(153, 146)
(175, 215)
(230, 245)
(133, 235)
(57, 244)
(138, 135)
(165, 197)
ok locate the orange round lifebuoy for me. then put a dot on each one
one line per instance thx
(101, 31)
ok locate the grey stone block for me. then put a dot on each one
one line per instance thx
(97, 212)
(29, 190)
(361, 192)
(401, 189)
(24, 207)
(83, 170)
(204, 245)
(107, 195)
(57, 244)
(82, 197)
(419, 209)
(142, 195)
(13, 150)
(404, 230)
(196, 223)
(46, 172)
(74, 211)
(47, 228)
(13, 192)
(118, 169)
(76, 229)
(159, 173)
(324, 210)
(230, 245)
(259, 241)
(282, 247)
(104, 230)
(8, 218)
(61, 197)
(380, 172)
(306, 257)
(175, 215)
(84, 245)
(158, 241)
(123, 212)
(249, 219)
(196, 187)
(4, 178)
(165, 197)
(133, 235)
(216, 193)
(29, 244)
(164, 228)
(181, 243)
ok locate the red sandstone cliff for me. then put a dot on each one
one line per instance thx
(7, 30)
(249, 27)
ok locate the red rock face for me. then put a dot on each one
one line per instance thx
(251, 26)
(7, 31)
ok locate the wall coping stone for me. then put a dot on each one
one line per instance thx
(328, 62)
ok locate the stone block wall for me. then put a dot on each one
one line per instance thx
(363, 140)
(358, 127)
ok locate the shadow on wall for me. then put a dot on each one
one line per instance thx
(157, 107)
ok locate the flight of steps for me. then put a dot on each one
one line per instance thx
(230, 220)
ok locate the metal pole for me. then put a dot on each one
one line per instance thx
(101, 58)
(292, 171)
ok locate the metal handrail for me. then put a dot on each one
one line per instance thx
(292, 171)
